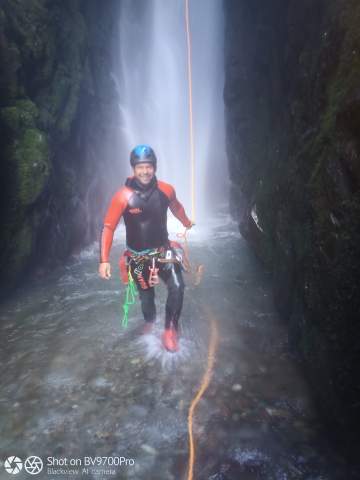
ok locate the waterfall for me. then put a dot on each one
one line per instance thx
(151, 74)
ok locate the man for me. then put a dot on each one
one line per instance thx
(143, 202)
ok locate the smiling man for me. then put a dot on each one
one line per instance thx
(143, 202)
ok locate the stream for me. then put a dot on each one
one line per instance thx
(77, 386)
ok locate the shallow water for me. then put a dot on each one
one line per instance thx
(76, 384)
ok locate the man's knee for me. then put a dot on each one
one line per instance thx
(146, 295)
(176, 288)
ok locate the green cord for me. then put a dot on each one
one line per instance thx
(130, 293)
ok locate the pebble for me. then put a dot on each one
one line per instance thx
(148, 449)
(229, 370)
(236, 387)
(276, 412)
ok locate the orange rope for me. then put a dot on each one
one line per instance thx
(191, 130)
(187, 263)
(213, 326)
(203, 386)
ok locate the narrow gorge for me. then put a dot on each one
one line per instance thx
(276, 110)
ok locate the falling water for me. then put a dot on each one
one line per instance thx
(153, 88)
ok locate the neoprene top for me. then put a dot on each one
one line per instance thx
(144, 209)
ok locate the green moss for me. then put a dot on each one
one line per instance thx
(58, 104)
(30, 157)
(19, 116)
(29, 20)
(2, 18)
(50, 44)
(342, 85)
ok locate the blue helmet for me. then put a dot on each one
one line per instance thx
(142, 154)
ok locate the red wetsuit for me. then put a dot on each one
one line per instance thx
(144, 209)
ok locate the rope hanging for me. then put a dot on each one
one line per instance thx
(205, 381)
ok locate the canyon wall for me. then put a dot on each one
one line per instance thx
(58, 109)
(292, 100)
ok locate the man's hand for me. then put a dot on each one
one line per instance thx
(105, 270)
(191, 225)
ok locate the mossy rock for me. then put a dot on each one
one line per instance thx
(19, 116)
(30, 156)
(2, 17)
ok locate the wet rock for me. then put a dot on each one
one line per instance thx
(138, 411)
(148, 449)
(295, 192)
(102, 435)
(229, 370)
(236, 417)
(236, 387)
(101, 383)
(47, 121)
(276, 412)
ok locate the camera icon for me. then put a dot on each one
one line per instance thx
(13, 465)
(33, 465)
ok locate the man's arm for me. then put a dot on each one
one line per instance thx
(178, 210)
(175, 206)
(116, 208)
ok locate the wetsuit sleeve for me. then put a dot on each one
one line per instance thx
(116, 208)
(178, 210)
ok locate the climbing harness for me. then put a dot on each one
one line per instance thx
(174, 253)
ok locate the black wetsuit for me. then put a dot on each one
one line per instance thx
(145, 216)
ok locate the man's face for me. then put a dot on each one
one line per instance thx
(144, 172)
